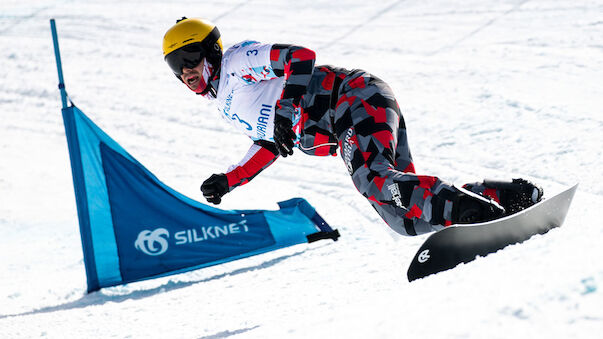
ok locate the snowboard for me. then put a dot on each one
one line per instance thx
(458, 244)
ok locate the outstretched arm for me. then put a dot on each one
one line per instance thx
(259, 156)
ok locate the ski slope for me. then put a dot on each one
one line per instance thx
(488, 88)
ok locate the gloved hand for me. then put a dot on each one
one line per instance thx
(284, 136)
(214, 188)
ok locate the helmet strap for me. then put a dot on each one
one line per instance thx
(214, 78)
(212, 86)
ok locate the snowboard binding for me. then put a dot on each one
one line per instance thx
(515, 195)
(470, 208)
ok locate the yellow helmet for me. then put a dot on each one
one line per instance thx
(188, 31)
(188, 42)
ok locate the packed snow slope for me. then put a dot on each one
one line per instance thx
(488, 88)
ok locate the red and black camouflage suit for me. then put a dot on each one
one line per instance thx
(357, 113)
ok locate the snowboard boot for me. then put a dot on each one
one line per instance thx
(470, 208)
(514, 195)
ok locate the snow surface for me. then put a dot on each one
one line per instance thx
(488, 89)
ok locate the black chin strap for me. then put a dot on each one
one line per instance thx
(212, 86)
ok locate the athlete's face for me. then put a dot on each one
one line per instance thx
(192, 77)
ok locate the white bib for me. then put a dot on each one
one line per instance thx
(249, 89)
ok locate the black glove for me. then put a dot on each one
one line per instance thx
(214, 188)
(284, 136)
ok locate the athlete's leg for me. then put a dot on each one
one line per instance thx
(372, 138)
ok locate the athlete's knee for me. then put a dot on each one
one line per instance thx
(397, 220)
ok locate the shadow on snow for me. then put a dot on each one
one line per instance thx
(96, 298)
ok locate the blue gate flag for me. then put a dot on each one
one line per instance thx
(134, 227)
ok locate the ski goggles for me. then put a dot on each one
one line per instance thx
(189, 56)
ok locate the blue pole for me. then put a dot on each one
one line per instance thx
(57, 55)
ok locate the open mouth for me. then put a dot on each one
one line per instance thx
(192, 81)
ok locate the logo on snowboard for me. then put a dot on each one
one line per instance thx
(423, 256)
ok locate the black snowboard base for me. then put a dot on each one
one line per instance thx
(454, 245)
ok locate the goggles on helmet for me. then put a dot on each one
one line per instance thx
(189, 56)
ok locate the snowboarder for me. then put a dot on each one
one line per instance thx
(275, 94)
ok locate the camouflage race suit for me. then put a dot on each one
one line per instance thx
(371, 135)
(357, 113)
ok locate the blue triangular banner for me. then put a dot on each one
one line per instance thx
(134, 227)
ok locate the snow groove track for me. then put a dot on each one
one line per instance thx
(17, 20)
(480, 28)
(356, 27)
(510, 89)
(236, 7)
